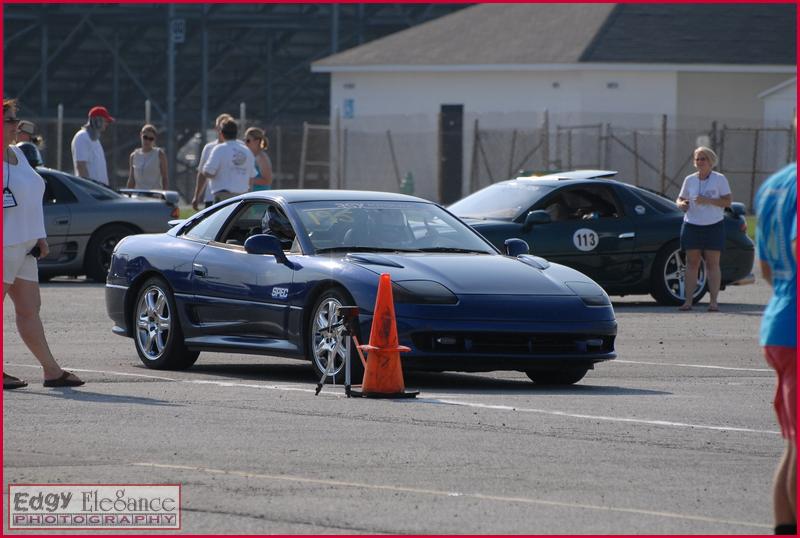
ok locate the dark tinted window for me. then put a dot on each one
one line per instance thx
(96, 190)
(209, 225)
(56, 192)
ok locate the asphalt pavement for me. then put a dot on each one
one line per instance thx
(676, 436)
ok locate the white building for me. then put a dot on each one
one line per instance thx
(505, 64)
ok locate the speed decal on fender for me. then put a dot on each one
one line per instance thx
(585, 239)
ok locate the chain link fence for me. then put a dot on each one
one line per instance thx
(394, 153)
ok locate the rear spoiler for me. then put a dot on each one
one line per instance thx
(170, 197)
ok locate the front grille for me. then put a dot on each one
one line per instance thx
(511, 344)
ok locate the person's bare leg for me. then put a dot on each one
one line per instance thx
(714, 275)
(693, 258)
(784, 487)
(27, 302)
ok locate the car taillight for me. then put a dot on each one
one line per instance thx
(176, 212)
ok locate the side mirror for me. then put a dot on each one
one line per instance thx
(266, 244)
(540, 216)
(738, 209)
(515, 247)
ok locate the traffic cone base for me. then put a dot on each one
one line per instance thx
(357, 391)
(383, 375)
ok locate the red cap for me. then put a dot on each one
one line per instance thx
(100, 111)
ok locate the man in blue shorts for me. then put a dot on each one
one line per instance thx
(776, 235)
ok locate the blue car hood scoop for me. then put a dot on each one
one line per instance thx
(465, 274)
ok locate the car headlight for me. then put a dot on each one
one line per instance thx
(422, 292)
(590, 294)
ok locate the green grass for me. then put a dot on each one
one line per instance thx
(751, 226)
(186, 212)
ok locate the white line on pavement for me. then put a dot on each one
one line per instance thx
(442, 493)
(617, 361)
(438, 400)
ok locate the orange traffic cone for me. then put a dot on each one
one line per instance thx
(383, 376)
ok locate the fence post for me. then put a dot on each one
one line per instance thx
(755, 168)
(59, 136)
(569, 149)
(473, 172)
(394, 159)
(344, 159)
(636, 157)
(278, 160)
(606, 140)
(303, 149)
(713, 135)
(790, 136)
(511, 155)
(663, 153)
(338, 133)
(243, 116)
(546, 140)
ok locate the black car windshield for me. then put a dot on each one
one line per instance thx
(96, 190)
(501, 201)
(386, 226)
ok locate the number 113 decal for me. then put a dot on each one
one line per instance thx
(585, 239)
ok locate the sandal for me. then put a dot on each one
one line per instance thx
(66, 379)
(10, 382)
(713, 308)
(685, 307)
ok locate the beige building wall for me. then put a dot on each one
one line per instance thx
(703, 97)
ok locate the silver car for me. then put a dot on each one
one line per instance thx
(85, 219)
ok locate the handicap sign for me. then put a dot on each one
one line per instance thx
(348, 110)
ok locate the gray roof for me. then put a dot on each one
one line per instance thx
(531, 34)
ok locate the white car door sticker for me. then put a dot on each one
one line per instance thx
(585, 239)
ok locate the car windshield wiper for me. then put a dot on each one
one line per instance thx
(453, 249)
(354, 248)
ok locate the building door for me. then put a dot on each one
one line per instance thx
(451, 153)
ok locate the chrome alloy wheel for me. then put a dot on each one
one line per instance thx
(153, 322)
(328, 340)
(675, 276)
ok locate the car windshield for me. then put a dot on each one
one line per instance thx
(96, 190)
(501, 201)
(386, 226)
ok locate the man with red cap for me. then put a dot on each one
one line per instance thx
(88, 156)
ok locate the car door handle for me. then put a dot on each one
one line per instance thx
(199, 270)
(62, 220)
(627, 235)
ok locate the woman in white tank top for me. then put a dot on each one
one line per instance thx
(148, 164)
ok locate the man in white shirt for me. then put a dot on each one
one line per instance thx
(88, 156)
(231, 167)
(202, 189)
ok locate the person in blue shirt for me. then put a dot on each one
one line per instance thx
(776, 237)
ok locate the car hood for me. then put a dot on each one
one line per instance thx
(465, 274)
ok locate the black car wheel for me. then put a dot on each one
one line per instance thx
(325, 341)
(101, 245)
(157, 330)
(668, 278)
(557, 377)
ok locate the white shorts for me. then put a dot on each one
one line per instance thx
(17, 263)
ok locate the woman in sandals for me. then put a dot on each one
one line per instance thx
(703, 197)
(23, 243)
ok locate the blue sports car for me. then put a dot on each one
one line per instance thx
(264, 273)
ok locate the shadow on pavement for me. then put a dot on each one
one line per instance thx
(432, 381)
(82, 395)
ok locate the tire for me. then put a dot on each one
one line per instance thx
(157, 331)
(98, 253)
(667, 278)
(557, 377)
(319, 340)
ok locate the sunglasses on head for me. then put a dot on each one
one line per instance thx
(150, 138)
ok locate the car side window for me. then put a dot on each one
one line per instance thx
(55, 192)
(208, 227)
(583, 203)
(245, 223)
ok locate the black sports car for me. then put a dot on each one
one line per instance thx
(625, 238)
